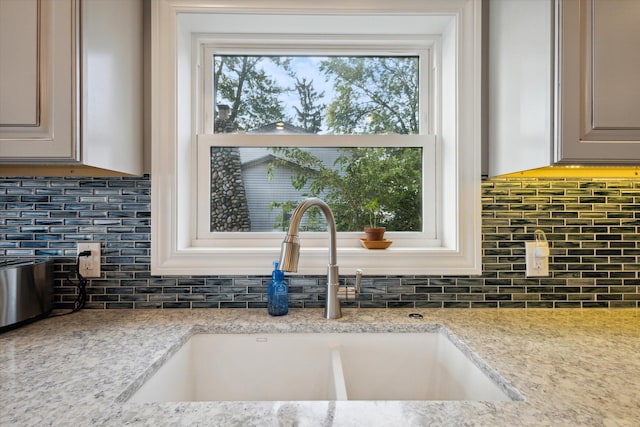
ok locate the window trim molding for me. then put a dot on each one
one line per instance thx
(173, 153)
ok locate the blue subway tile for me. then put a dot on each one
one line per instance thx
(33, 245)
(593, 228)
(49, 206)
(20, 206)
(63, 199)
(10, 199)
(19, 252)
(48, 252)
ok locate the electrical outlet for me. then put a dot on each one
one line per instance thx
(89, 266)
(537, 254)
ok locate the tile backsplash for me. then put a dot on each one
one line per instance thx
(593, 229)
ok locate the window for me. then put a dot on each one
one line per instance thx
(267, 98)
(255, 188)
(366, 94)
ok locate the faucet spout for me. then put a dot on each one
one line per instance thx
(290, 252)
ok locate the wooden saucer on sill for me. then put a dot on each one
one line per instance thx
(376, 244)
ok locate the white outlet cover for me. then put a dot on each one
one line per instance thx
(537, 266)
(89, 266)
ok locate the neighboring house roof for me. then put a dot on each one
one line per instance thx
(278, 127)
(263, 159)
(252, 156)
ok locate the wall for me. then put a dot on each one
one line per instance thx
(593, 227)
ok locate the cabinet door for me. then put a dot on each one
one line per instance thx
(520, 85)
(599, 81)
(37, 75)
(19, 94)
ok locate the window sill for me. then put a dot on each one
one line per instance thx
(391, 261)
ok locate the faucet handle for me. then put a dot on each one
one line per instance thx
(350, 293)
(358, 280)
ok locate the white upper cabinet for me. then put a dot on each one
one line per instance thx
(71, 86)
(564, 86)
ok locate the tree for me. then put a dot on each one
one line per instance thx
(242, 82)
(373, 95)
(253, 99)
(309, 114)
(392, 176)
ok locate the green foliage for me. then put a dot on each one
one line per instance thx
(373, 208)
(366, 185)
(361, 179)
(390, 177)
(313, 219)
(309, 115)
(373, 95)
(240, 81)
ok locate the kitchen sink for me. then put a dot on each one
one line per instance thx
(323, 366)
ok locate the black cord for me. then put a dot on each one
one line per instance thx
(81, 284)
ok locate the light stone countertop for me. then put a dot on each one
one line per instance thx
(573, 367)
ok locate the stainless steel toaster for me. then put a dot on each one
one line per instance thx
(26, 291)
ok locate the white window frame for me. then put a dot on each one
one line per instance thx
(180, 29)
(339, 45)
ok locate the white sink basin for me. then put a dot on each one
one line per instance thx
(322, 366)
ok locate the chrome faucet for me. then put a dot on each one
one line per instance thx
(290, 253)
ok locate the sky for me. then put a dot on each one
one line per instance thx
(307, 67)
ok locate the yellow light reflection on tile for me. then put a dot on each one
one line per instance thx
(578, 172)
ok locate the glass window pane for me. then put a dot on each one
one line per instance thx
(257, 188)
(342, 95)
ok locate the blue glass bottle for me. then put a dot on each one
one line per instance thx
(277, 294)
